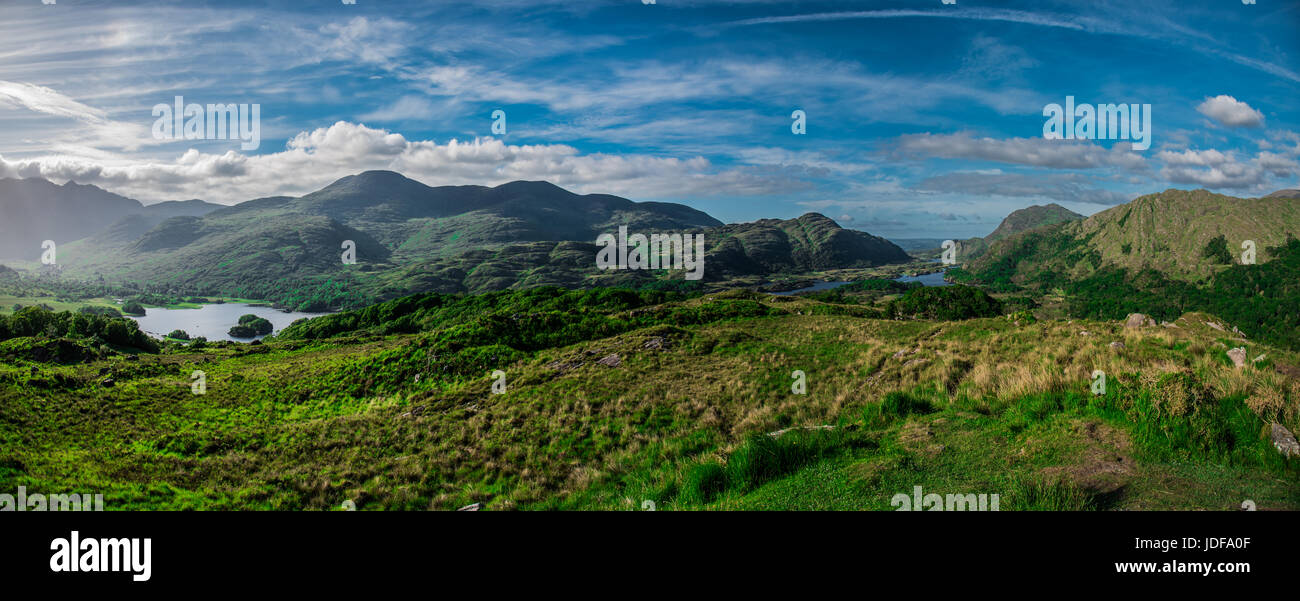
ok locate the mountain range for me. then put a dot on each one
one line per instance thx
(408, 237)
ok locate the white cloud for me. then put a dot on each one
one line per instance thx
(1037, 152)
(1230, 111)
(314, 159)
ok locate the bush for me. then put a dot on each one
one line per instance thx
(945, 303)
(133, 308)
(179, 335)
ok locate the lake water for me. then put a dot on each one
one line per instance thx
(212, 321)
(929, 279)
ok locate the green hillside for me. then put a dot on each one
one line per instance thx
(614, 398)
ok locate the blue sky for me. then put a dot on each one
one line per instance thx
(923, 119)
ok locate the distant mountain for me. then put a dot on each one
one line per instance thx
(36, 210)
(414, 220)
(766, 247)
(917, 244)
(1031, 217)
(1174, 232)
(811, 242)
(411, 237)
(1285, 194)
(1017, 221)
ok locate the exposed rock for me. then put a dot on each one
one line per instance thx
(783, 431)
(903, 353)
(1284, 441)
(132, 358)
(563, 366)
(1238, 356)
(655, 343)
(1214, 325)
(1138, 320)
(109, 382)
(1085, 333)
(1117, 345)
(471, 507)
(611, 360)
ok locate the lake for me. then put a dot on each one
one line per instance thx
(929, 279)
(212, 321)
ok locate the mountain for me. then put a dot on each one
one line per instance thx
(809, 243)
(36, 210)
(1031, 217)
(1017, 221)
(415, 221)
(1170, 232)
(1285, 194)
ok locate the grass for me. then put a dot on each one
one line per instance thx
(980, 406)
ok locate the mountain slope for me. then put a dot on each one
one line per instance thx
(810, 242)
(1031, 217)
(1167, 232)
(35, 210)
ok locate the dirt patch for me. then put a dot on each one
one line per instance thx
(918, 438)
(1103, 466)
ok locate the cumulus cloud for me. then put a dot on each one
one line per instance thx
(313, 159)
(1216, 169)
(1230, 112)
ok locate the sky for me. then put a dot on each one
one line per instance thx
(920, 119)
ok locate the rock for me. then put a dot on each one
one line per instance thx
(903, 353)
(1138, 320)
(1214, 325)
(1284, 441)
(471, 507)
(655, 343)
(1117, 345)
(132, 358)
(1085, 333)
(1238, 356)
(109, 382)
(783, 431)
(1259, 358)
(611, 360)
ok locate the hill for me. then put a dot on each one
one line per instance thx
(1168, 232)
(614, 398)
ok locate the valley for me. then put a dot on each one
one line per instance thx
(467, 363)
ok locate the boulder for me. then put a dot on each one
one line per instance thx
(1138, 320)
(1284, 441)
(1117, 345)
(471, 507)
(1238, 356)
